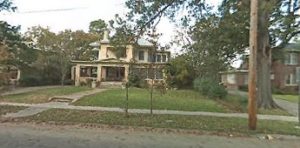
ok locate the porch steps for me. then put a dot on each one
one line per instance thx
(60, 99)
(111, 84)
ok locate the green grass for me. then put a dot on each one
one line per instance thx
(202, 123)
(10, 109)
(187, 100)
(239, 104)
(42, 96)
(290, 98)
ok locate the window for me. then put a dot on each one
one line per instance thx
(291, 59)
(164, 58)
(83, 72)
(141, 55)
(290, 79)
(122, 53)
(231, 78)
(298, 74)
(158, 58)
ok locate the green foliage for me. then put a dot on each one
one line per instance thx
(97, 27)
(210, 87)
(55, 52)
(7, 5)
(134, 80)
(180, 73)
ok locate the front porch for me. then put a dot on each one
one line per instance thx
(86, 74)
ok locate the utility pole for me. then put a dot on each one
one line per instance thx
(252, 86)
(298, 80)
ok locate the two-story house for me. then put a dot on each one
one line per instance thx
(109, 68)
(284, 73)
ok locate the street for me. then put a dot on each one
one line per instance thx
(49, 136)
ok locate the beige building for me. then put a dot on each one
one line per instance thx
(109, 68)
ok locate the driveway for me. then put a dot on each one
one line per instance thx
(290, 107)
(45, 136)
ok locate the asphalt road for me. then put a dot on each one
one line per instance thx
(45, 136)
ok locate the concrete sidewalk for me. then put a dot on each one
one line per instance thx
(59, 105)
(76, 96)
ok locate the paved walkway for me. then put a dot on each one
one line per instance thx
(27, 89)
(76, 96)
(290, 107)
(59, 105)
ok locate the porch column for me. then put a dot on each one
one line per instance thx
(99, 73)
(126, 73)
(77, 75)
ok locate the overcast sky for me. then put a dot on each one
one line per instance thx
(72, 14)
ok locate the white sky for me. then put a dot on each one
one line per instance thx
(75, 15)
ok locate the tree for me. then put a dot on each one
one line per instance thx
(14, 51)
(180, 72)
(63, 47)
(280, 24)
(97, 27)
(7, 5)
(120, 40)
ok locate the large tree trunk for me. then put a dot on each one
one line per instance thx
(264, 58)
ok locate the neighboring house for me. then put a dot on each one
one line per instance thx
(112, 69)
(284, 73)
(11, 73)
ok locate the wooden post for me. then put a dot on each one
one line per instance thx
(252, 86)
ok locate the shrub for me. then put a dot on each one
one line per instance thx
(134, 80)
(210, 87)
(31, 80)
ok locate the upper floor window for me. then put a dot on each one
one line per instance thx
(141, 55)
(291, 59)
(122, 53)
(164, 58)
(158, 58)
(117, 52)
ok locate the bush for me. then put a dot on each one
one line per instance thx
(31, 80)
(210, 87)
(134, 80)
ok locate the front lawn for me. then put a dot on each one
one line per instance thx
(201, 123)
(187, 100)
(290, 98)
(42, 95)
(4, 109)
